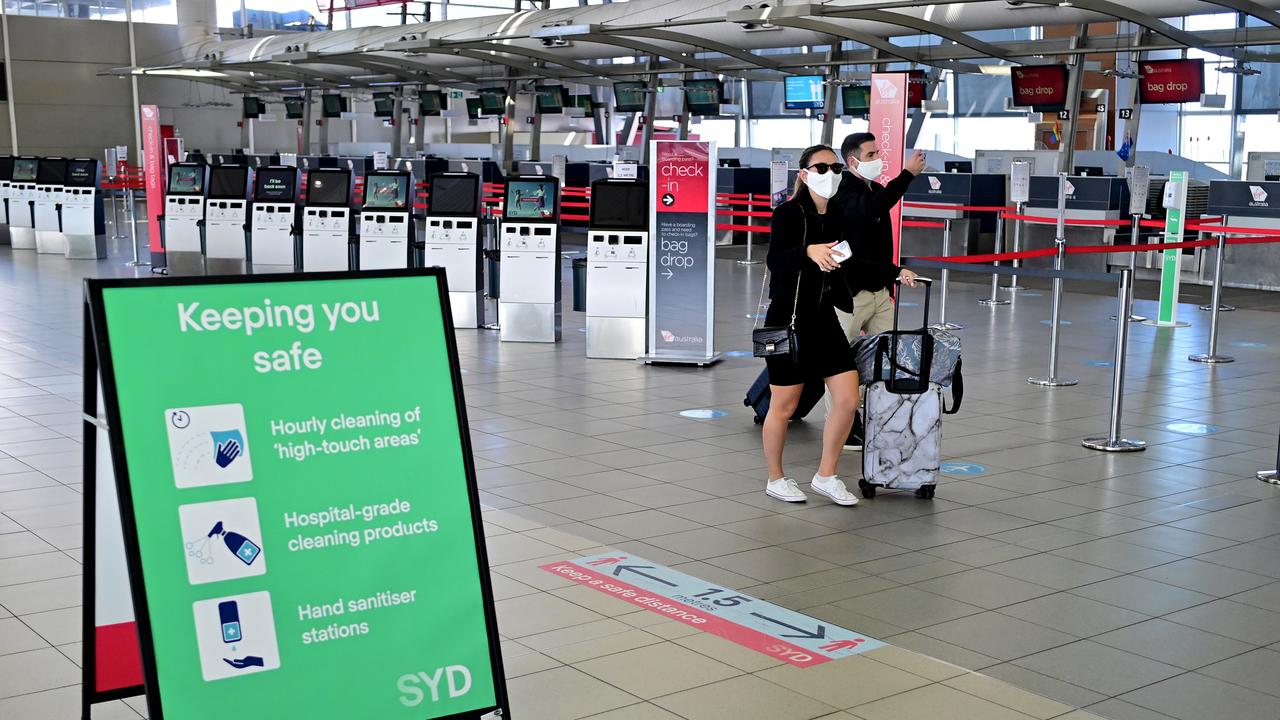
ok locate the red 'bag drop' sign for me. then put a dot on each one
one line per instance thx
(1171, 81)
(1040, 86)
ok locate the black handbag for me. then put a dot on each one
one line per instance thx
(774, 341)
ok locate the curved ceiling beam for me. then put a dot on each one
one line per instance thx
(924, 26)
(894, 52)
(694, 41)
(1189, 39)
(1248, 7)
(657, 51)
(290, 72)
(543, 55)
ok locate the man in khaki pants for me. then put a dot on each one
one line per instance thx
(866, 205)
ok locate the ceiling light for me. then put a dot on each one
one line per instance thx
(996, 69)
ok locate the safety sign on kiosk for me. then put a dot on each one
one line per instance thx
(301, 518)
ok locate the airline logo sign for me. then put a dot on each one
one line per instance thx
(887, 89)
(888, 123)
(153, 173)
(1259, 197)
(1071, 190)
(935, 185)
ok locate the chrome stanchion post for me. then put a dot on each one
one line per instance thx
(751, 236)
(1217, 304)
(1215, 307)
(1113, 442)
(115, 211)
(133, 231)
(1271, 476)
(1133, 265)
(1055, 324)
(995, 300)
(1017, 247)
(942, 323)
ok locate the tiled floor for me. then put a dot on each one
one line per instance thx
(1136, 587)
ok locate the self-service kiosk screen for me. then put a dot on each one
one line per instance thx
(228, 182)
(186, 179)
(24, 169)
(530, 200)
(275, 185)
(51, 171)
(386, 192)
(454, 195)
(328, 188)
(619, 206)
(82, 173)
(6, 167)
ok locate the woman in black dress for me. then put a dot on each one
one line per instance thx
(808, 280)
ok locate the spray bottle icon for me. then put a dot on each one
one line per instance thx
(240, 546)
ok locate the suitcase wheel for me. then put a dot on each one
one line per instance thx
(868, 490)
(925, 492)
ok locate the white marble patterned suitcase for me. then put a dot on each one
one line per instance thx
(903, 444)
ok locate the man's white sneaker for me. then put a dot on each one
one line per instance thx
(833, 487)
(784, 488)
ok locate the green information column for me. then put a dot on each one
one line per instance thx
(298, 498)
(1171, 265)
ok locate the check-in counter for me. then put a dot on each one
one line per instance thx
(1246, 205)
(1088, 198)
(971, 232)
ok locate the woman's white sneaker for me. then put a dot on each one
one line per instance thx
(784, 488)
(833, 487)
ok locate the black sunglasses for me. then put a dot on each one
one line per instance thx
(822, 168)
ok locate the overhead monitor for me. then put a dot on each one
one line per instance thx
(1040, 87)
(803, 92)
(628, 96)
(531, 200)
(24, 169)
(493, 101)
(1171, 81)
(275, 184)
(329, 188)
(473, 108)
(619, 205)
(294, 106)
(455, 194)
(551, 98)
(703, 97)
(855, 99)
(916, 86)
(186, 179)
(384, 105)
(228, 182)
(81, 172)
(386, 191)
(430, 103)
(252, 107)
(583, 103)
(332, 106)
(6, 167)
(51, 171)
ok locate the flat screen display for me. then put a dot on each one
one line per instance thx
(275, 185)
(493, 101)
(81, 172)
(454, 195)
(703, 97)
(530, 200)
(1042, 87)
(916, 85)
(51, 171)
(6, 167)
(619, 205)
(1171, 81)
(628, 96)
(384, 105)
(473, 108)
(24, 169)
(551, 99)
(583, 102)
(803, 92)
(186, 180)
(252, 107)
(386, 192)
(228, 182)
(332, 105)
(856, 99)
(430, 103)
(294, 105)
(329, 187)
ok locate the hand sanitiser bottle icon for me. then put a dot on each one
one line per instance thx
(240, 546)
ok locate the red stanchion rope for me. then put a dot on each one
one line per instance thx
(962, 208)
(922, 224)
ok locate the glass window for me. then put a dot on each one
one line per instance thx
(979, 95)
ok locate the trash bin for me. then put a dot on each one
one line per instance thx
(580, 285)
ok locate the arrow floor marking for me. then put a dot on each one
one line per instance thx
(818, 634)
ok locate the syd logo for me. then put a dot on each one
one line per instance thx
(415, 686)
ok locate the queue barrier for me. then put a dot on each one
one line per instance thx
(127, 179)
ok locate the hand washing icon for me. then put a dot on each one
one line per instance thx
(228, 445)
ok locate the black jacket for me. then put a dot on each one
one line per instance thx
(796, 224)
(866, 206)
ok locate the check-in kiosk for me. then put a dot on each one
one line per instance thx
(1253, 205)
(273, 237)
(529, 292)
(971, 233)
(22, 200)
(1088, 198)
(83, 217)
(51, 179)
(617, 269)
(184, 218)
(226, 219)
(452, 241)
(386, 221)
(326, 221)
(6, 179)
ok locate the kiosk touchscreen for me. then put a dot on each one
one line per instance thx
(83, 218)
(22, 200)
(226, 231)
(386, 221)
(184, 217)
(6, 178)
(617, 268)
(326, 221)
(51, 178)
(452, 241)
(272, 239)
(529, 292)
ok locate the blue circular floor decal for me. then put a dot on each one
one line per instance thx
(1050, 322)
(582, 330)
(962, 468)
(703, 413)
(1246, 344)
(1100, 363)
(1027, 293)
(910, 304)
(738, 353)
(1187, 428)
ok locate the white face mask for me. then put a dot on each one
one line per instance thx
(822, 184)
(871, 169)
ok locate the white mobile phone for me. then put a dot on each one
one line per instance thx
(841, 252)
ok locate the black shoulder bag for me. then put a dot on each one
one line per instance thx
(771, 341)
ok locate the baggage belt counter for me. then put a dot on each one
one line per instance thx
(1088, 198)
(1246, 205)
(971, 232)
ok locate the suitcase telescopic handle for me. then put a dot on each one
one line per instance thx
(928, 292)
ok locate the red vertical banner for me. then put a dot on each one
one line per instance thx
(889, 125)
(153, 170)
